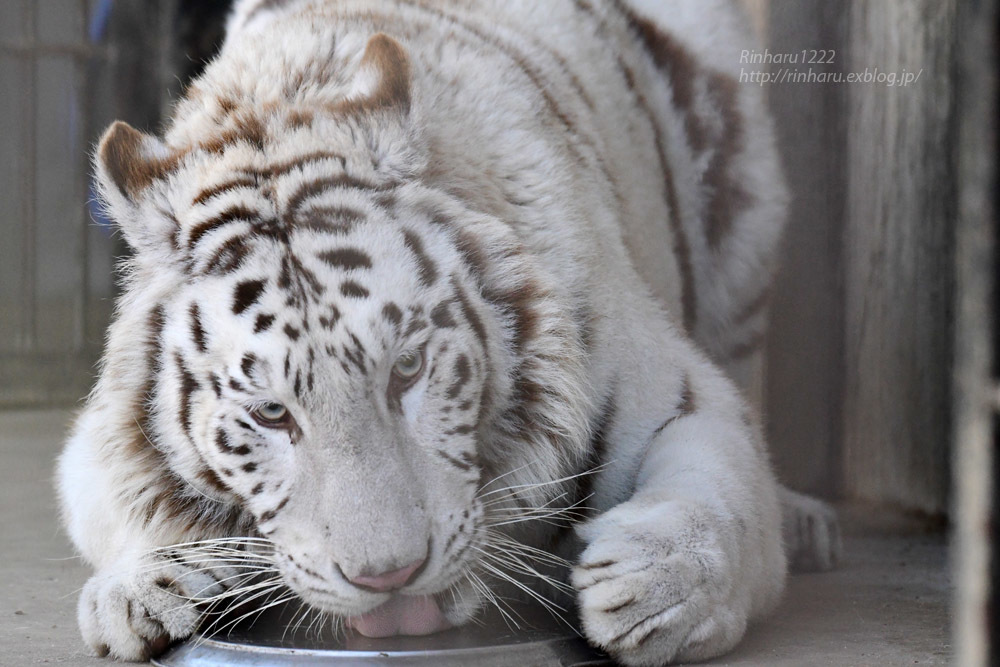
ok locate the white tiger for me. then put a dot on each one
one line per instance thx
(406, 271)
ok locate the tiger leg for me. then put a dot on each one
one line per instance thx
(676, 571)
(810, 526)
(142, 595)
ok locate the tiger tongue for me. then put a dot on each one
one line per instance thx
(401, 615)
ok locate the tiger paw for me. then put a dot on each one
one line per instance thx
(655, 585)
(811, 532)
(135, 611)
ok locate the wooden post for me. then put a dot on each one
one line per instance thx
(898, 242)
(977, 394)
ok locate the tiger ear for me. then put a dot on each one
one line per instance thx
(383, 80)
(127, 163)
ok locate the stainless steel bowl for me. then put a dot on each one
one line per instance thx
(541, 641)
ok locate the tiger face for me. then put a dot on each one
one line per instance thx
(338, 358)
(348, 375)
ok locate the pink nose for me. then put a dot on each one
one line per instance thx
(388, 581)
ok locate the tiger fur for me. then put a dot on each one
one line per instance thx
(561, 216)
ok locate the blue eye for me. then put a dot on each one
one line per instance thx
(270, 414)
(409, 365)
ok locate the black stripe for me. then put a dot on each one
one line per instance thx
(245, 181)
(246, 294)
(427, 268)
(231, 214)
(392, 313)
(353, 289)
(247, 364)
(188, 386)
(462, 373)
(600, 427)
(463, 462)
(317, 186)
(197, 330)
(328, 219)
(685, 406)
(470, 315)
(441, 316)
(328, 321)
(263, 322)
(519, 302)
(416, 324)
(270, 514)
(229, 256)
(216, 385)
(222, 442)
(282, 168)
(641, 31)
(346, 259)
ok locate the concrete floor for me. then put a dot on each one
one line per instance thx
(886, 605)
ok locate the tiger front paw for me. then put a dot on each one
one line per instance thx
(655, 584)
(134, 612)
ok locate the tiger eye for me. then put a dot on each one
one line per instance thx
(270, 414)
(409, 364)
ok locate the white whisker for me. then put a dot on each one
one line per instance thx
(536, 485)
(515, 564)
(541, 599)
(499, 477)
(297, 619)
(268, 603)
(233, 591)
(484, 590)
(496, 537)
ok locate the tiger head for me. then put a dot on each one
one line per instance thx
(365, 364)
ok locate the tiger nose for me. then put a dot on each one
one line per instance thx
(388, 581)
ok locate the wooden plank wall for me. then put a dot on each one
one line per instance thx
(898, 256)
(859, 354)
(56, 264)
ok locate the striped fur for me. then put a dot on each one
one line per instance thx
(556, 212)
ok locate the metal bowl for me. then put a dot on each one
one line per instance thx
(540, 641)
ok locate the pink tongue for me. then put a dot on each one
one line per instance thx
(401, 615)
